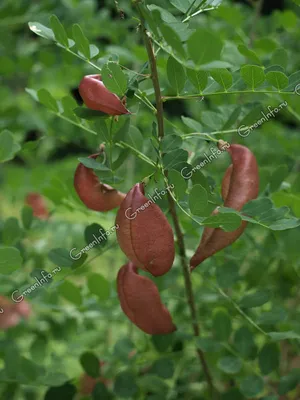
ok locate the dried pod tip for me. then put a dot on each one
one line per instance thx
(222, 145)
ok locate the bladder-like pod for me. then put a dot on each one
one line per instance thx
(240, 185)
(39, 207)
(141, 302)
(94, 194)
(144, 233)
(97, 97)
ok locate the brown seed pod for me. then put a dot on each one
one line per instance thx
(144, 233)
(141, 302)
(240, 185)
(97, 97)
(226, 182)
(37, 202)
(94, 194)
(11, 313)
(88, 383)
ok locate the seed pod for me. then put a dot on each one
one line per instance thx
(140, 301)
(226, 182)
(38, 205)
(97, 97)
(88, 383)
(11, 313)
(144, 233)
(23, 309)
(94, 194)
(240, 185)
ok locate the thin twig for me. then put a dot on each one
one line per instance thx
(155, 81)
(189, 10)
(172, 207)
(199, 12)
(206, 135)
(258, 8)
(240, 311)
(200, 96)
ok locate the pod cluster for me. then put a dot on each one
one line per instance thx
(144, 233)
(146, 237)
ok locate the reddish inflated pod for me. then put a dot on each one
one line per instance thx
(226, 182)
(141, 302)
(23, 309)
(207, 232)
(95, 195)
(144, 233)
(38, 205)
(243, 177)
(239, 185)
(88, 383)
(11, 313)
(97, 97)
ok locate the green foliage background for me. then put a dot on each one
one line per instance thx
(247, 296)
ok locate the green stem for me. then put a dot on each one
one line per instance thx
(83, 58)
(195, 134)
(258, 7)
(121, 144)
(198, 12)
(146, 101)
(240, 311)
(154, 77)
(294, 113)
(97, 67)
(195, 96)
(187, 97)
(136, 152)
(75, 123)
(179, 206)
(189, 10)
(145, 76)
